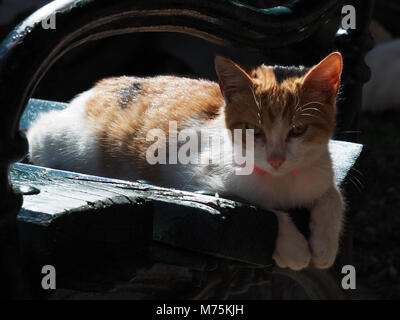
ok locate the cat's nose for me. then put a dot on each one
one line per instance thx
(276, 161)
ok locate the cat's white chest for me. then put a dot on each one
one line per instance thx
(299, 190)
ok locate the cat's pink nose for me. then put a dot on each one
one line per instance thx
(276, 161)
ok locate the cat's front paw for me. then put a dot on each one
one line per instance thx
(324, 250)
(291, 249)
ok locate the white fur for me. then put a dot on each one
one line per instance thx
(63, 140)
(291, 250)
(382, 92)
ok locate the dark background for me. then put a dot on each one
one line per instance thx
(377, 223)
(146, 54)
(165, 53)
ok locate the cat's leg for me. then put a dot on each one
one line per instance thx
(292, 249)
(325, 227)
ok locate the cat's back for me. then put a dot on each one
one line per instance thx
(124, 110)
(112, 120)
(168, 95)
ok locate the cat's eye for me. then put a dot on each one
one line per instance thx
(257, 130)
(297, 131)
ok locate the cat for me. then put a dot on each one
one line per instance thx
(289, 111)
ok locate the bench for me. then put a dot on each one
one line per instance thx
(100, 232)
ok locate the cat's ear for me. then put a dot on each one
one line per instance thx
(325, 76)
(232, 78)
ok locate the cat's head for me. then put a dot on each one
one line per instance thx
(291, 109)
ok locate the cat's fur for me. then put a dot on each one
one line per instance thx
(103, 132)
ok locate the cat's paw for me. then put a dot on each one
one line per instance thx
(324, 250)
(292, 253)
(292, 249)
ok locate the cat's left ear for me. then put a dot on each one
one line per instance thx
(325, 76)
(232, 78)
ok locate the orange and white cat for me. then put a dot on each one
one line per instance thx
(104, 131)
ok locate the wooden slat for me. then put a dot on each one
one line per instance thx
(182, 219)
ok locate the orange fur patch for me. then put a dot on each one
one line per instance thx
(122, 131)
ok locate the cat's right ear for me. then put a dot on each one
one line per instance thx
(232, 78)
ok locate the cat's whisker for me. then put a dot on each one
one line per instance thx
(353, 132)
(358, 171)
(320, 116)
(258, 103)
(356, 182)
(308, 103)
(254, 96)
(302, 109)
(310, 115)
(312, 102)
(314, 109)
(296, 103)
(355, 185)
